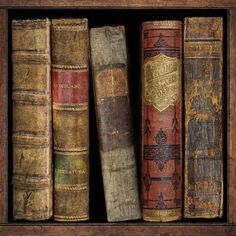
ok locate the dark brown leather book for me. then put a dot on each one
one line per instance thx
(32, 172)
(109, 62)
(70, 119)
(161, 120)
(203, 121)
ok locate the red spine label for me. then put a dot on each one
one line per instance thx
(70, 86)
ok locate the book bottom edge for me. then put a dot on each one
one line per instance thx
(162, 215)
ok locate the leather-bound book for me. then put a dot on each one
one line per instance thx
(31, 93)
(161, 120)
(203, 121)
(109, 64)
(70, 119)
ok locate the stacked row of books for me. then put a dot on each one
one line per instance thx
(51, 60)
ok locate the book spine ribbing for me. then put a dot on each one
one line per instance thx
(32, 171)
(203, 121)
(70, 73)
(109, 61)
(161, 120)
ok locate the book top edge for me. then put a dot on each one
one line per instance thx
(169, 24)
(69, 21)
(30, 22)
(203, 18)
(109, 28)
(203, 28)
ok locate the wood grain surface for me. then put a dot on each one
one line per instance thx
(231, 118)
(119, 3)
(148, 229)
(3, 116)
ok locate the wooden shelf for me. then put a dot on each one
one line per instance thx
(108, 4)
(128, 9)
(119, 229)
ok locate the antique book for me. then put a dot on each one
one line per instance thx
(31, 131)
(203, 61)
(70, 119)
(109, 64)
(161, 120)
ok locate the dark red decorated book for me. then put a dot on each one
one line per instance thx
(161, 120)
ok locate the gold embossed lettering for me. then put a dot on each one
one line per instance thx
(161, 81)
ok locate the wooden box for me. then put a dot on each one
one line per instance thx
(130, 13)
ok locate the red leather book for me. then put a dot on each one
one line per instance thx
(161, 120)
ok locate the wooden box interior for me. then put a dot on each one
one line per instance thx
(132, 19)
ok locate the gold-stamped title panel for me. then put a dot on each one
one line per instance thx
(161, 81)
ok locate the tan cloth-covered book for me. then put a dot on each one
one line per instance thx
(70, 75)
(32, 169)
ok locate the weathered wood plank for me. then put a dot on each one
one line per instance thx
(3, 117)
(119, 230)
(232, 118)
(120, 3)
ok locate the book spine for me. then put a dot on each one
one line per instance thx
(203, 122)
(31, 94)
(161, 120)
(70, 74)
(109, 62)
